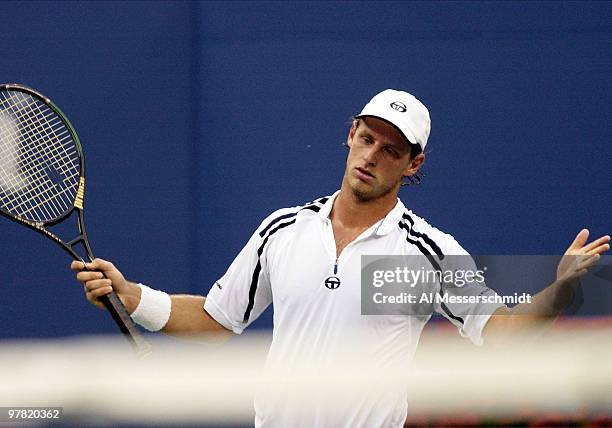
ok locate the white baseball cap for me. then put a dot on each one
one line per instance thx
(403, 111)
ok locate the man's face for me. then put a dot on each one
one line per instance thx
(378, 159)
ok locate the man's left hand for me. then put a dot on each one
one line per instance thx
(580, 256)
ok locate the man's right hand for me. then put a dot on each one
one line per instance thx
(96, 284)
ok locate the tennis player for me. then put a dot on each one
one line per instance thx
(306, 260)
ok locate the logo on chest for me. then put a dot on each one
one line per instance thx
(332, 282)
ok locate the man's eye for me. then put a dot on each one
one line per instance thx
(391, 151)
(366, 140)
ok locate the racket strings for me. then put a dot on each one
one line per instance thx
(20, 148)
(31, 129)
(46, 159)
(39, 161)
(34, 181)
(28, 133)
(54, 125)
(35, 122)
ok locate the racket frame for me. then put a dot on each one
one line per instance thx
(111, 301)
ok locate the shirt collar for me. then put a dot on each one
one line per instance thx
(326, 208)
(390, 222)
(384, 227)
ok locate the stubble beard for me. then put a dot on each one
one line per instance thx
(372, 194)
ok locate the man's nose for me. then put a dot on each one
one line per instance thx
(371, 154)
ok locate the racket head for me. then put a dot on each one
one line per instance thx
(41, 159)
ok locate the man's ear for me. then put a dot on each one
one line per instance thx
(414, 165)
(351, 133)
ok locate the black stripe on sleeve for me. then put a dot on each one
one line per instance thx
(434, 264)
(448, 312)
(424, 236)
(257, 270)
(274, 221)
(309, 206)
(318, 201)
(420, 246)
(315, 205)
(314, 208)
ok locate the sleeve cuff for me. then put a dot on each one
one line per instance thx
(475, 326)
(221, 317)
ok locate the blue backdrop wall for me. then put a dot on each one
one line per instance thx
(199, 119)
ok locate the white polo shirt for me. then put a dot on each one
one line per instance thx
(287, 261)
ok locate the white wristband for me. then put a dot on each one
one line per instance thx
(153, 311)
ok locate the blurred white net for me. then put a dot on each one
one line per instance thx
(98, 379)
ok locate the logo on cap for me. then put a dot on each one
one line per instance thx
(399, 106)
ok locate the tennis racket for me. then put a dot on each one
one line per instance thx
(42, 179)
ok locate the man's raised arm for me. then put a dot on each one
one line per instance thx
(551, 301)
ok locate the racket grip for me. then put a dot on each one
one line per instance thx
(125, 323)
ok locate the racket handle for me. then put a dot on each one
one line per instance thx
(126, 324)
